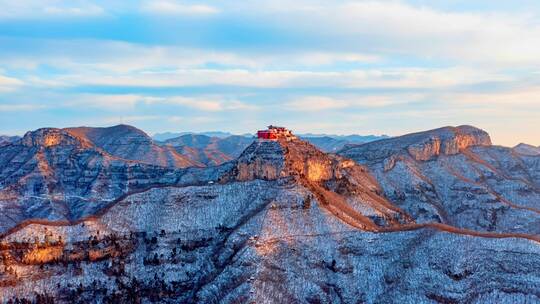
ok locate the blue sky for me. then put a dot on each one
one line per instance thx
(366, 67)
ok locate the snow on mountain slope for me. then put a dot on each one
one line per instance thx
(327, 144)
(526, 149)
(454, 176)
(283, 223)
(257, 241)
(209, 150)
(52, 174)
(215, 149)
(133, 144)
(5, 139)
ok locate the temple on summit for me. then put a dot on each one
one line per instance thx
(275, 133)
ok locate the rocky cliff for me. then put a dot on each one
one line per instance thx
(421, 146)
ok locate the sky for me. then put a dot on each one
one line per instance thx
(336, 67)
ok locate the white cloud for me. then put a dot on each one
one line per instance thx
(395, 27)
(9, 84)
(327, 58)
(383, 28)
(129, 119)
(351, 102)
(20, 107)
(86, 10)
(367, 78)
(132, 65)
(315, 103)
(212, 104)
(48, 9)
(165, 7)
(114, 57)
(204, 105)
(105, 101)
(190, 119)
(523, 97)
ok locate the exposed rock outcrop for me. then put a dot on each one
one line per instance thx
(50, 137)
(345, 188)
(421, 146)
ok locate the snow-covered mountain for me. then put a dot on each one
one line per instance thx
(208, 150)
(187, 149)
(170, 135)
(434, 217)
(526, 149)
(455, 176)
(52, 174)
(133, 144)
(6, 139)
(188, 141)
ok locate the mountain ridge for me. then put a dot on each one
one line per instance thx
(427, 144)
(131, 143)
(248, 229)
(527, 149)
(428, 182)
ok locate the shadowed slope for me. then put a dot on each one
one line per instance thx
(133, 144)
(209, 150)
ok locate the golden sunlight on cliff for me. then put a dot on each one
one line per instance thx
(43, 255)
(51, 140)
(317, 171)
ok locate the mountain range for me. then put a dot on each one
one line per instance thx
(325, 142)
(109, 215)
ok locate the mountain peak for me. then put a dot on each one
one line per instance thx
(49, 137)
(123, 133)
(526, 149)
(448, 141)
(422, 146)
(7, 139)
(282, 157)
(128, 142)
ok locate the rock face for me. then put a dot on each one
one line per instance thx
(50, 137)
(346, 189)
(287, 223)
(132, 144)
(423, 145)
(460, 180)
